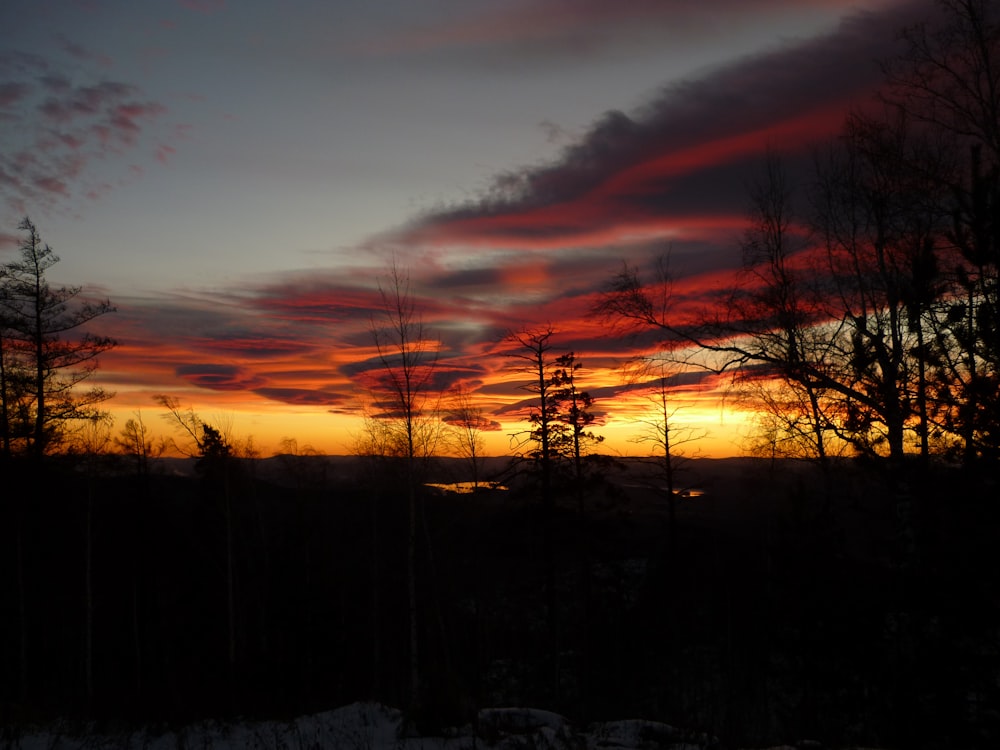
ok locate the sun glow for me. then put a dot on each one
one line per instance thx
(716, 431)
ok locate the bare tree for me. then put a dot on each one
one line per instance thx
(948, 75)
(303, 465)
(468, 422)
(657, 377)
(838, 344)
(778, 310)
(947, 79)
(406, 424)
(135, 441)
(876, 218)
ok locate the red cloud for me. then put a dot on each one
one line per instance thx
(479, 423)
(677, 166)
(634, 200)
(220, 377)
(301, 396)
(164, 152)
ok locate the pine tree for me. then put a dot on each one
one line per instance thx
(45, 353)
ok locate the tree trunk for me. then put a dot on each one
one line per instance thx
(230, 575)
(411, 590)
(22, 612)
(89, 595)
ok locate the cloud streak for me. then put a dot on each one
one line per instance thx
(58, 132)
(568, 29)
(642, 174)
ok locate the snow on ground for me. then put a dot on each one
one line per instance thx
(372, 726)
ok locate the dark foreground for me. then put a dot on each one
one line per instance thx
(852, 608)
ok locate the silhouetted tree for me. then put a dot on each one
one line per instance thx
(303, 465)
(776, 305)
(468, 421)
(92, 443)
(532, 348)
(15, 418)
(657, 378)
(837, 355)
(876, 219)
(574, 443)
(407, 423)
(947, 79)
(135, 441)
(573, 439)
(45, 355)
(214, 452)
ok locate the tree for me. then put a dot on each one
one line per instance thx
(14, 380)
(134, 440)
(44, 353)
(574, 442)
(402, 387)
(214, 452)
(778, 310)
(92, 443)
(44, 356)
(303, 465)
(877, 218)
(658, 376)
(947, 79)
(827, 346)
(533, 349)
(468, 422)
(573, 439)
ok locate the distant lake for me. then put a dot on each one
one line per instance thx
(465, 488)
(685, 493)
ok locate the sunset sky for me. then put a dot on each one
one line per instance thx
(237, 176)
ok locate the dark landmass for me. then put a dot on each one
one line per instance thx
(849, 607)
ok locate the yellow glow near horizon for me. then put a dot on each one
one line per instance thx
(719, 429)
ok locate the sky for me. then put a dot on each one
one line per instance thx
(239, 176)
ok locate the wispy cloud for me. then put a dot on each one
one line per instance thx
(531, 29)
(220, 377)
(203, 6)
(81, 53)
(60, 126)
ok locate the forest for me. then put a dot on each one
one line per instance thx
(839, 584)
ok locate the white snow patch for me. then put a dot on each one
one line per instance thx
(371, 726)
